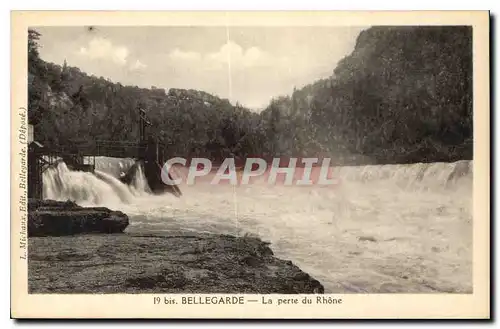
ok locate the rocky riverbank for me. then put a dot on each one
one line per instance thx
(178, 262)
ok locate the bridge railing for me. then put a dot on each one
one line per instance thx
(106, 148)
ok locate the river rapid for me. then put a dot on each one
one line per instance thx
(380, 229)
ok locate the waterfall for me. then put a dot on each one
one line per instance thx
(139, 183)
(86, 188)
(416, 175)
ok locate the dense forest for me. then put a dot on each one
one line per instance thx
(403, 95)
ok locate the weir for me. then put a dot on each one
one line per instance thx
(80, 156)
(101, 187)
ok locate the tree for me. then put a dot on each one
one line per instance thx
(33, 54)
(37, 90)
(65, 77)
(403, 95)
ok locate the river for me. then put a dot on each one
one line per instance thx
(381, 229)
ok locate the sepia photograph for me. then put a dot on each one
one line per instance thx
(311, 161)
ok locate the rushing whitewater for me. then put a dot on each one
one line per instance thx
(390, 228)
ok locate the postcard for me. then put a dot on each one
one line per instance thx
(242, 165)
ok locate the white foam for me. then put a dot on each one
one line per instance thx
(408, 227)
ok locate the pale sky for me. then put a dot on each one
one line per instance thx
(245, 64)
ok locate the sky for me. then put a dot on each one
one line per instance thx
(249, 65)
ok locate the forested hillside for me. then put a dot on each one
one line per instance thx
(403, 95)
(68, 104)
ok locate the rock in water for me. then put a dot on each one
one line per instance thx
(54, 218)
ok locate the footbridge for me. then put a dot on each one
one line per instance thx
(80, 155)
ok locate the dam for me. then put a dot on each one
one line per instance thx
(148, 153)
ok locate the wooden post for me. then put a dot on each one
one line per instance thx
(143, 123)
(143, 141)
(35, 181)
